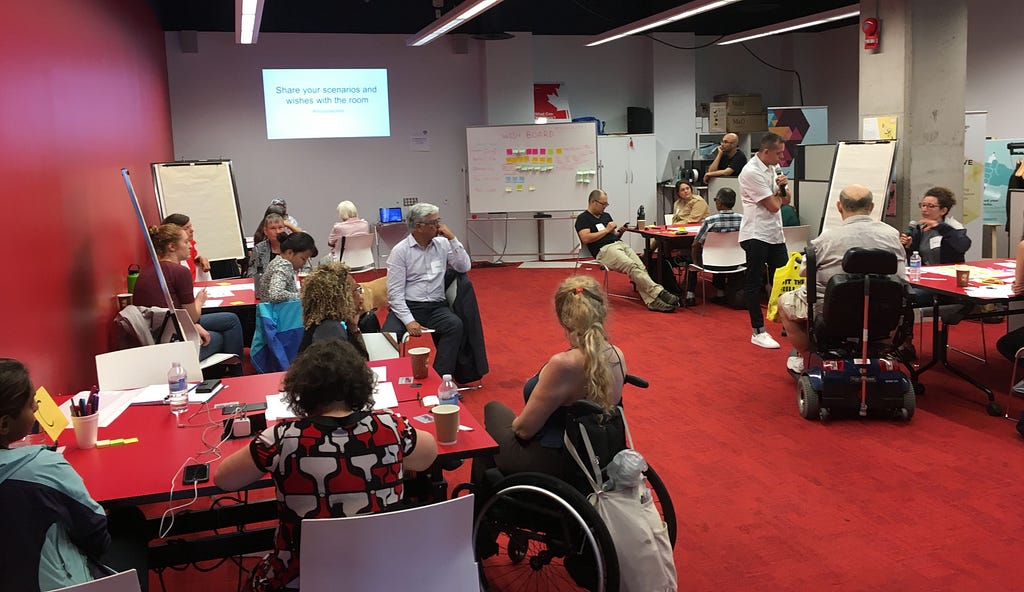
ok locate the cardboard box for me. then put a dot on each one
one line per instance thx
(741, 104)
(745, 124)
(716, 118)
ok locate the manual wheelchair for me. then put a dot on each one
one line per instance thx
(535, 531)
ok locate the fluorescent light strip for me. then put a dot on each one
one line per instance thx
(248, 14)
(785, 27)
(658, 20)
(450, 20)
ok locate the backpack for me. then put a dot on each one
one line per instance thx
(641, 538)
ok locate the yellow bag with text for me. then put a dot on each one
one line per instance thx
(787, 278)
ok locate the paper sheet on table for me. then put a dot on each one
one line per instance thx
(211, 303)
(977, 273)
(112, 404)
(383, 398)
(990, 291)
(216, 291)
(693, 229)
(156, 394)
(381, 372)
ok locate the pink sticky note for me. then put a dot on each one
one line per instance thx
(508, 151)
(543, 151)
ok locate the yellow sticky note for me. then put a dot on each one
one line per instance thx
(508, 190)
(532, 188)
(519, 187)
(237, 302)
(117, 442)
(224, 283)
(102, 443)
(48, 415)
(131, 440)
(558, 151)
(550, 160)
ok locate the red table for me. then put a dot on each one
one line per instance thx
(944, 287)
(670, 237)
(143, 472)
(242, 303)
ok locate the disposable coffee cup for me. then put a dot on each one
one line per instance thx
(446, 423)
(123, 300)
(641, 224)
(86, 428)
(963, 276)
(420, 357)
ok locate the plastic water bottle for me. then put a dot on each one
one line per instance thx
(177, 389)
(447, 393)
(914, 267)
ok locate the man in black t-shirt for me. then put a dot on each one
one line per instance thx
(729, 160)
(599, 235)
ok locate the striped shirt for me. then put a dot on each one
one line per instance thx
(723, 221)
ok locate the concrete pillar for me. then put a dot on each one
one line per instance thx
(919, 74)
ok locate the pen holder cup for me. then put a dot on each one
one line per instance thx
(86, 428)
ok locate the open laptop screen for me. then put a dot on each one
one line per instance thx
(388, 215)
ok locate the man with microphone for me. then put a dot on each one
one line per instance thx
(729, 160)
(764, 190)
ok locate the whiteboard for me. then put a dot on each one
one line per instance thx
(867, 163)
(531, 168)
(205, 192)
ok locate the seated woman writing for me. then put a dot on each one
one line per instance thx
(592, 368)
(354, 457)
(277, 284)
(331, 304)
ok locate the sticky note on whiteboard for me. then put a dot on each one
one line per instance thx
(508, 190)
(519, 187)
(532, 188)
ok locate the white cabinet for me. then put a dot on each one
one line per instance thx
(628, 174)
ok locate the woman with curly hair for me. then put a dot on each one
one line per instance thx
(351, 455)
(331, 304)
(592, 368)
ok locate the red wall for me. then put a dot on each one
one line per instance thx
(83, 93)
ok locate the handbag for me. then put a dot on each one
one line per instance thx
(787, 278)
(641, 539)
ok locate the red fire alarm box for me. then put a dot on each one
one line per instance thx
(871, 28)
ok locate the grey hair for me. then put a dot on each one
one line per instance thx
(419, 212)
(346, 210)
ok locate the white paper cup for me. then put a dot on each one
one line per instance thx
(446, 423)
(86, 429)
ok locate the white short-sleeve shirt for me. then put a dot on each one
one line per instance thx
(757, 182)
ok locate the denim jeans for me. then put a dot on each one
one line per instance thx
(225, 334)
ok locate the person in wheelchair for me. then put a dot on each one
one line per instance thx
(592, 368)
(858, 229)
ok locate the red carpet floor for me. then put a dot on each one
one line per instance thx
(767, 500)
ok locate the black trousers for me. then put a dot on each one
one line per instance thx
(760, 254)
(447, 326)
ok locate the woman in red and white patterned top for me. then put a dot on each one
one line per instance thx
(340, 458)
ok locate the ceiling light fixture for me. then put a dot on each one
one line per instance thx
(248, 14)
(450, 20)
(662, 18)
(793, 25)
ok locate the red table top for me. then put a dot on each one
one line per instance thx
(945, 282)
(144, 472)
(245, 297)
(669, 231)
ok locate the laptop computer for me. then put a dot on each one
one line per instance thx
(390, 215)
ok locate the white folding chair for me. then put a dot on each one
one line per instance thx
(357, 251)
(591, 263)
(429, 546)
(191, 334)
(722, 254)
(145, 365)
(126, 581)
(796, 237)
(379, 347)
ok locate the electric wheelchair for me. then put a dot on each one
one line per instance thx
(853, 363)
(534, 531)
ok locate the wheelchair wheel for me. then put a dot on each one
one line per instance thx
(539, 533)
(808, 399)
(909, 403)
(663, 502)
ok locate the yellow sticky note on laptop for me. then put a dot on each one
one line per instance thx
(48, 415)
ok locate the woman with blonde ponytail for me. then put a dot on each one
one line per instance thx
(592, 368)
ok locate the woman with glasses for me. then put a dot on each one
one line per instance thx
(331, 304)
(937, 236)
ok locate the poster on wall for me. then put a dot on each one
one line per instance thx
(878, 128)
(550, 102)
(999, 165)
(798, 125)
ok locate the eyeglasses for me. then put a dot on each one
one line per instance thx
(357, 289)
(603, 203)
(432, 222)
(929, 206)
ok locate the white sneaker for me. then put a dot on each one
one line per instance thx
(764, 340)
(795, 364)
(1019, 388)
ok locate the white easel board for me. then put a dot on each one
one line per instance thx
(531, 168)
(205, 192)
(868, 163)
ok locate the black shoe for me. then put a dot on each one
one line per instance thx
(668, 298)
(718, 300)
(691, 301)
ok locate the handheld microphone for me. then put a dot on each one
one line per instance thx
(911, 226)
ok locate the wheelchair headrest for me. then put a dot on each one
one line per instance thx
(861, 260)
